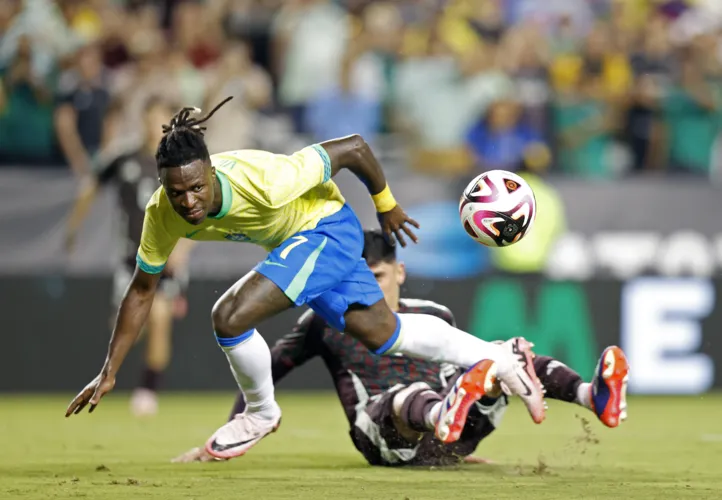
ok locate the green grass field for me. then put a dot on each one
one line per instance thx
(670, 448)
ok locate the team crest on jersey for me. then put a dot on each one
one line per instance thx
(240, 237)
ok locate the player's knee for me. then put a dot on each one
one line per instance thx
(371, 326)
(407, 394)
(227, 317)
(219, 318)
(411, 406)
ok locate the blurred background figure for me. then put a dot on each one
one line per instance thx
(236, 74)
(80, 115)
(310, 37)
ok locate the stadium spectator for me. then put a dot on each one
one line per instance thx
(440, 95)
(309, 43)
(421, 72)
(653, 67)
(235, 74)
(83, 101)
(583, 125)
(26, 109)
(356, 103)
(501, 139)
(692, 114)
(526, 53)
(197, 33)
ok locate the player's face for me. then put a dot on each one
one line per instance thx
(390, 276)
(190, 190)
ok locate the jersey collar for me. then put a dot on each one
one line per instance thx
(226, 195)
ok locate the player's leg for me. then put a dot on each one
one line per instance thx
(303, 267)
(249, 301)
(605, 395)
(431, 338)
(386, 433)
(144, 400)
(416, 414)
(252, 299)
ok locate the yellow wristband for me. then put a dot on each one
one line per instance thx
(384, 201)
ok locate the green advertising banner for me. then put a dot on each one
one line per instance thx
(554, 316)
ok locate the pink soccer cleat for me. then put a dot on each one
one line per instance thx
(240, 434)
(521, 379)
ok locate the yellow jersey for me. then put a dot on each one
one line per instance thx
(267, 198)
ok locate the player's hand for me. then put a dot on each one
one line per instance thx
(96, 389)
(395, 223)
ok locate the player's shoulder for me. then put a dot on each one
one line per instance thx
(421, 306)
(157, 202)
(228, 159)
(160, 211)
(242, 164)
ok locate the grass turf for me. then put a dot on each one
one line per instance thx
(670, 448)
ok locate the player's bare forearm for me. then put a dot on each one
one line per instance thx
(132, 314)
(354, 154)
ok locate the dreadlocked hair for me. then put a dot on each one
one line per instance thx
(183, 141)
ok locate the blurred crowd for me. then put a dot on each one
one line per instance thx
(589, 88)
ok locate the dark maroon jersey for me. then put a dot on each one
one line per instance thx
(358, 373)
(135, 178)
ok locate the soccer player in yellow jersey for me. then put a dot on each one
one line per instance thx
(290, 206)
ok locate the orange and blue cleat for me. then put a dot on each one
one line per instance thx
(478, 381)
(609, 387)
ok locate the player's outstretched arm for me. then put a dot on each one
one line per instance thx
(354, 154)
(132, 314)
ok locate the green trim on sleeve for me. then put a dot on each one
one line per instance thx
(147, 268)
(326, 161)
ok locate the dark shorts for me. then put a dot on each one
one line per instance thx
(375, 436)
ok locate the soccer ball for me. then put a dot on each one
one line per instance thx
(497, 208)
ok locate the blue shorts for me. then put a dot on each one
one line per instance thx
(323, 267)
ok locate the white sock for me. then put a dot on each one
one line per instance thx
(584, 395)
(433, 339)
(250, 361)
(433, 416)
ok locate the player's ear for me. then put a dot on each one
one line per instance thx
(400, 273)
